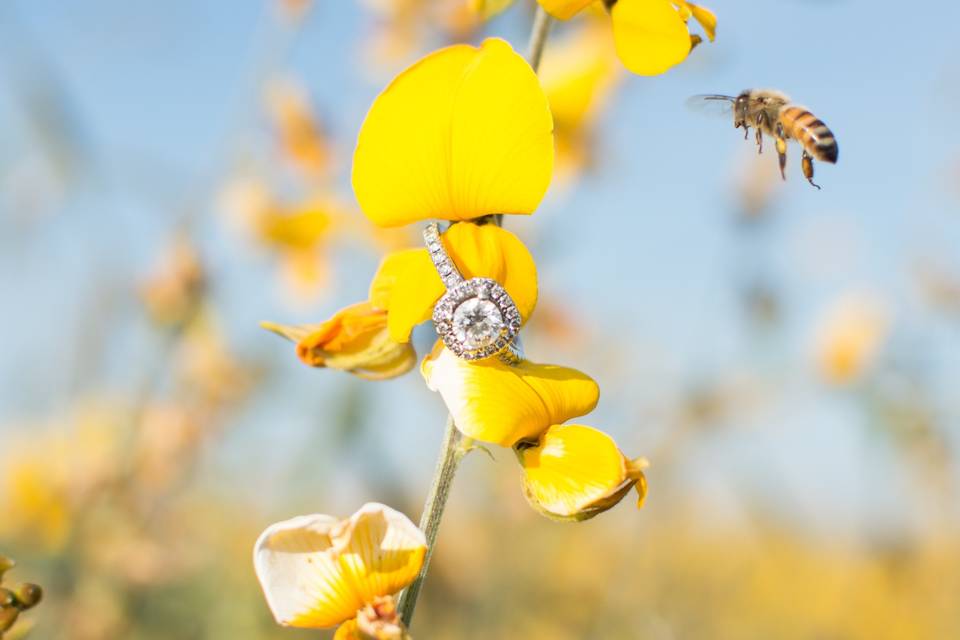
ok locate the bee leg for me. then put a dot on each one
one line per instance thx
(746, 128)
(808, 168)
(782, 151)
(760, 132)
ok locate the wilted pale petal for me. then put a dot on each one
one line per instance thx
(651, 35)
(574, 472)
(503, 404)
(317, 571)
(463, 133)
(407, 284)
(355, 339)
(564, 9)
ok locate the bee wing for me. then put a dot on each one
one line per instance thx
(712, 104)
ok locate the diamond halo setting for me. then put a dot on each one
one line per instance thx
(475, 318)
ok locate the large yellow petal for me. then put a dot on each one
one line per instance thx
(651, 35)
(463, 133)
(504, 404)
(407, 284)
(564, 9)
(317, 571)
(576, 472)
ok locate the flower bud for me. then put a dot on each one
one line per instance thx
(28, 595)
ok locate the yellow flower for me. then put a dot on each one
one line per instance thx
(573, 472)
(500, 403)
(299, 132)
(298, 233)
(651, 35)
(849, 339)
(579, 74)
(407, 284)
(465, 132)
(355, 339)
(486, 9)
(317, 571)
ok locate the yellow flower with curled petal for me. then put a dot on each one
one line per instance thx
(317, 571)
(571, 472)
(355, 339)
(650, 35)
(372, 339)
(463, 133)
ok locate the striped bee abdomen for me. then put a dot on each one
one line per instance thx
(809, 130)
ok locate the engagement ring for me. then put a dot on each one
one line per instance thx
(475, 318)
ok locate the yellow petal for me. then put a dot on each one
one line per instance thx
(576, 472)
(463, 133)
(707, 20)
(407, 284)
(348, 631)
(651, 35)
(564, 9)
(489, 8)
(356, 339)
(317, 571)
(503, 404)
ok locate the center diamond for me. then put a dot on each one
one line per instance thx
(477, 323)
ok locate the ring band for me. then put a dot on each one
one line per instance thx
(476, 318)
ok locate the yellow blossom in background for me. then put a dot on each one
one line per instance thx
(300, 134)
(317, 571)
(402, 26)
(298, 235)
(172, 293)
(356, 339)
(44, 480)
(571, 472)
(579, 74)
(486, 9)
(651, 36)
(465, 132)
(849, 337)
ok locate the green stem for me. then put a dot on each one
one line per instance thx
(538, 37)
(447, 463)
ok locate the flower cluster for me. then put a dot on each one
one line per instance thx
(465, 135)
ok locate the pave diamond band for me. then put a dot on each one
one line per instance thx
(475, 318)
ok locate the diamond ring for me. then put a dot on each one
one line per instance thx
(475, 318)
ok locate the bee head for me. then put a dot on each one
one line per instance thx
(741, 107)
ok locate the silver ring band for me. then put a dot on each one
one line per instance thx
(476, 318)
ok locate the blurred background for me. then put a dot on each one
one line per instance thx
(173, 173)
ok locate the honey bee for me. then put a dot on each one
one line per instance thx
(771, 112)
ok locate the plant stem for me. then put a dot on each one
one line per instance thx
(447, 463)
(538, 37)
(451, 452)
